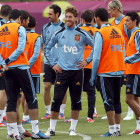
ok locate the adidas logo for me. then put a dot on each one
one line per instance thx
(114, 34)
(78, 83)
(35, 136)
(63, 37)
(48, 32)
(58, 83)
(128, 90)
(12, 128)
(4, 31)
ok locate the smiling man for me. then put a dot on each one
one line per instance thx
(133, 60)
(49, 76)
(70, 42)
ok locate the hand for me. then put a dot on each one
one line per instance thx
(82, 64)
(1, 74)
(57, 69)
(5, 68)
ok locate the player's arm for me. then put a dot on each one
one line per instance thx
(98, 42)
(135, 57)
(20, 47)
(3, 64)
(88, 39)
(48, 46)
(43, 36)
(127, 32)
(37, 48)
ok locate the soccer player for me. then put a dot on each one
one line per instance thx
(24, 23)
(133, 60)
(115, 10)
(33, 52)
(71, 41)
(17, 74)
(86, 20)
(108, 47)
(92, 112)
(49, 76)
(4, 17)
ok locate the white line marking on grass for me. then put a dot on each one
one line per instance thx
(85, 137)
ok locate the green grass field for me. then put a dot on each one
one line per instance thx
(86, 131)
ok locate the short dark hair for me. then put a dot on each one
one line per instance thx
(25, 14)
(5, 10)
(133, 15)
(102, 14)
(32, 22)
(87, 15)
(55, 8)
(14, 14)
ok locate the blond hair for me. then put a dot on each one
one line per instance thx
(116, 4)
(73, 10)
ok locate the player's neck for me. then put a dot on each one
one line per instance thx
(56, 21)
(118, 15)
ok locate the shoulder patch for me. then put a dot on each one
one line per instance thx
(62, 24)
(80, 30)
(47, 25)
(61, 30)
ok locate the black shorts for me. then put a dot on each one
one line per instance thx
(110, 88)
(2, 83)
(16, 79)
(133, 84)
(49, 74)
(72, 79)
(86, 86)
(123, 80)
(36, 81)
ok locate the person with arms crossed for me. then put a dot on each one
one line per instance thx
(108, 47)
(49, 76)
(133, 72)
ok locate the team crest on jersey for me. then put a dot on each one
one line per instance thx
(77, 37)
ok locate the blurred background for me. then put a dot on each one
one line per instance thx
(39, 8)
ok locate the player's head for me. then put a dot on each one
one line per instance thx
(25, 20)
(32, 22)
(131, 20)
(86, 16)
(5, 11)
(15, 15)
(71, 16)
(114, 7)
(54, 12)
(101, 15)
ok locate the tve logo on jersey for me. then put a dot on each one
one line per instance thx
(5, 44)
(70, 49)
(116, 47)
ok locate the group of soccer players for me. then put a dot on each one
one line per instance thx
(79, 57)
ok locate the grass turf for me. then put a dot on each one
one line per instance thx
(86, 131)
